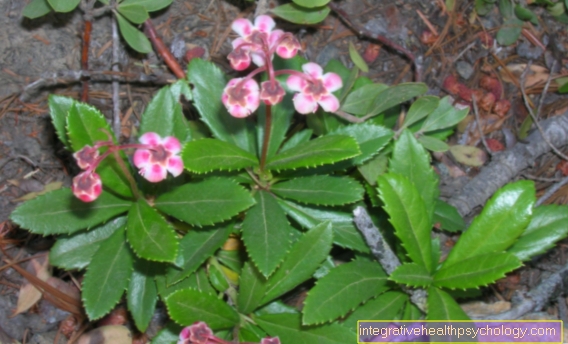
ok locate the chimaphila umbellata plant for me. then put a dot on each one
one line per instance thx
(262, 202)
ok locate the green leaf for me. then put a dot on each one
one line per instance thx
(506, 8)
(149, 5)
(75, 251)
(86, 125)
(311, 3)
(344, 232)
(343, 289)
(412, 275)
(266, 233)
(195, 247)
(301, 262)
(444, 116)
(563, 88)
(281, 116)
(476, 271)
(510, 31)
(233, 259)
(433, 144)
(142, 294)
(135, 13)
(187, 306)
(441, 306)
(206, 202)
(373, 168)
(164, 116)
(448, 217)
(371, 139)
(322, 190)
(503, 220)
(421, 108)
(107, 276)
(411, 160)
(61, 212)
(385, 307)
(299, 138)
(408, 216)
(323, 150)
(36, 9)
(483, 7)
(547, 226)
(59, 108)
(396, 95)
(169, 334)
(135, 39)
(63, 5)
(181, 88)
(357, 59)
(301, 15)
(360, 100)
(205, 155)
(149, 234)
(208, 84)
(526, 14)
(251, 289)
(289, 329)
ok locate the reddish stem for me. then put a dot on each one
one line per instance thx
(266, 140)
(85, 59)
(162, 50)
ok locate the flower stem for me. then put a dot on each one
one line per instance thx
(125, 170)
(266, 139)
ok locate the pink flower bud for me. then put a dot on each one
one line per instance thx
(159, 157)
(241, 98)
(286, 44)
(271, 92)
(86, 157)
(198, 333)
(270, 340)
(87, 186)
(314, 88)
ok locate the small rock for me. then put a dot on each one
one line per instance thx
(464, 69)
(328, 53)
(478, 309)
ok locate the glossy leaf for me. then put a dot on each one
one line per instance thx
(371, 139)
(476, 271)
(231, 259)
(444, 116)
(385, 307)
(107, 276)
(503, 220)
(266, 233)
(547, 226)
(206, 202)
(251, 289)
(320, 151)
(343, 289)
(63, 5)
(36, 9)
(164, 116)
(433, 144)
(421, 108)
(135, 13)
(168, 335)
(197, 280)
(149, 5)
(187, 306)
(408, 215)
(301, 15)
(135, 39)
(322, 190)
(357, 59)
(281, 116)
(142, 294)
(206, 155)
(60, 212)
(360, 100)
(443, 307)
(411, 274)
(396, 95)
(289, 329)
(75, 251)
(301, 262)
(150, 236)
(299, 138)
(448, 217)
(59, 108)
(195, 247)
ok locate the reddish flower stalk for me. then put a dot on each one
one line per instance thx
(266, 140)
(162, 50)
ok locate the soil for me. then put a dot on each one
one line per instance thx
(31, 157)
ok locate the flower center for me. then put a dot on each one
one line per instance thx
(159, 154)
(315, 88)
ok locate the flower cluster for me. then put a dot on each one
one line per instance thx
(200, 333)
(154, 156)
(257, 43)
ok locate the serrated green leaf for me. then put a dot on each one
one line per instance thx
(63, 6)
(217, 278)
(441, 306)
(60, 212)
(343, 289)
(197, 280)
(444, 116)
(409, 217)
(149, 5)
(301, 262)
(289, 329)
(510, 31)
(396, 95)
(344, 232)
(266, 233)
(187, 306)
(371, 139)
(411, 160)
(135, 39)
(195, 247)
(357, 59)
(421, 108)
(208, 84)
(301, 15)
(385, 307)
(251, 289)
(433, 144)
(208, 155)
(142, 294)
(411, 274)
(168, 335)
(547, 226)
(501, 222)
(149, 234)
(448, 217)
(323, 150)
(373, 168)
(59, 108)
(36, 9)
(135, 13)
(75, 251)
(207, 202)
(411, 312)
(299, 138)
(251, 333)
(360, 100)
(281, 116)
(164, 116)
(233, 259)
(107, 276)
(181, 88)
(322, 190)
(476, 271)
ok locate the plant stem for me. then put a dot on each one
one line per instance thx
(116, 125)
(85, 58)
(127, 174)
(162, 50)
(266, 139)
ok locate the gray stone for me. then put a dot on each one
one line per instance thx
(464, 69)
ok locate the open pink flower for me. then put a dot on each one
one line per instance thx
(241, 98)
(87, 186)
(86, 157)
(252, 41)
(314, 88)
(159, 158)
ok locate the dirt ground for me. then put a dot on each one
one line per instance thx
(31, 157)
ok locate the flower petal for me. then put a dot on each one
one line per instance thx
(264, 23)
(154, 173)
(313, 69)
(332, 82)
(175, 166)
(172, 144)
(296, 83)
(141, 158)
(258, 58)
(329, 103)
(243, 27)
(150, 138)
(305, 104)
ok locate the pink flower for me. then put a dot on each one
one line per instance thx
(198, 333)
(158, 157)
(271, 92)
(86, 157)
(241, 98)
(87, 186)
(314, 88)
(286, 44)
(252, 41)
(270, 340)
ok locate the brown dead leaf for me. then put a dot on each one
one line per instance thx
(468, 155)
(536, 75)
(29, 295)
(107, 335)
